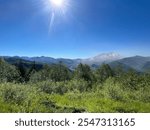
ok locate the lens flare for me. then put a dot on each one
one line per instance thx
(59, 11)
(58, 3)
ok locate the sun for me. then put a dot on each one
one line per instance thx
(57, 8)
(58, 3)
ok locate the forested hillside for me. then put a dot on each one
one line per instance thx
(56, 88)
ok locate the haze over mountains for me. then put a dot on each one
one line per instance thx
(138, 63)
(102, 58)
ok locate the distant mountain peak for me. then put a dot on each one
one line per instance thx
(111, 55)
(104, 57)
(139, 63)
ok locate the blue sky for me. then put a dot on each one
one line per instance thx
(79, 29)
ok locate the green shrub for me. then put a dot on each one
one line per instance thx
(8, 73)
(13, 94)
(78, 85)
(52, 87)
(113, 89)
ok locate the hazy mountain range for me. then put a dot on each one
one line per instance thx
(138, 63)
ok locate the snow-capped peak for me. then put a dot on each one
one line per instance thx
(104, 57)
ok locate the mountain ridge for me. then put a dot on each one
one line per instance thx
(139, 63)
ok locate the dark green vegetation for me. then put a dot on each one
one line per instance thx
(54, 88)
(139, 63)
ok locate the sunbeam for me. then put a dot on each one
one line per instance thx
(51, 21)
(58, 8)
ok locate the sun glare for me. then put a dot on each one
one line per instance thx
(58, 8)
(57, 2)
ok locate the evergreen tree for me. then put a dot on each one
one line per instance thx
(22, 71)
(119, 71)
(130, 80)
(31, 71)
(43, 75)
(56, 73)
(8, 73)
(83, 71)
(103, 72)
(60, 72)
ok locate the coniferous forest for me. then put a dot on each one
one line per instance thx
(55, 88)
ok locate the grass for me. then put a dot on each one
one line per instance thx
(29, 98)
(93, 103)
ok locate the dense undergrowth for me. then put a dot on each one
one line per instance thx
(55, 88)
(48, 97)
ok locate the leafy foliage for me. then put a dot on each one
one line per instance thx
(55, 73)
(83, 72)
(103, 72)
(55, 88)
(8, 73)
